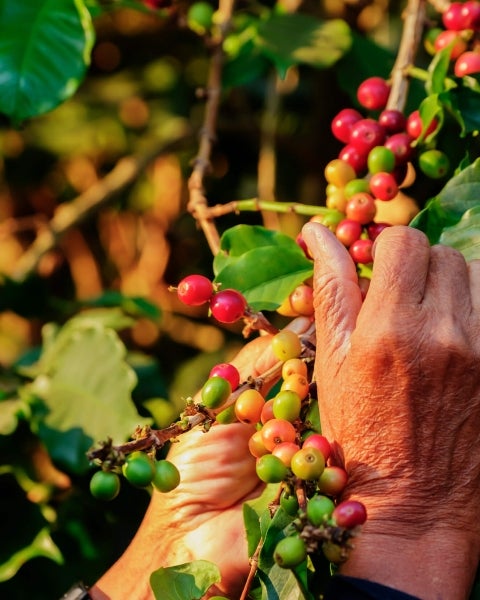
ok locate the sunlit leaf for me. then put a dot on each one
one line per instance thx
(465, 235)
(189, 581)
(45, 49)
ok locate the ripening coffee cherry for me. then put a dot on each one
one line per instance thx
(277, 431)
(332, 481)
(355, 187)
(361, 251)
(139, 469)
(308, 464)
(285, 451)
(287, 405)
(453, 39)
(228, 372)
(383, 186)
(167, 476)
(195, 290)
(294, 365)
(361, 207)
(381, 159)
(289, 503)
(227, 415)
(319, 441)
(215, 392)
(296, 383)
(434, 163)
(228, 306)
(270, 469)
(319, 509)
(256, 445)
(338, 172)
(373, 93)
(467, 63)
(350, 513)
(366, 134)
(248, 406)
(200, 17)
(286, 344)
(301, 300)
(105, 485)
(267, 411)
(342, 123)
(290, 552)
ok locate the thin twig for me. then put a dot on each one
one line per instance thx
(414, 21)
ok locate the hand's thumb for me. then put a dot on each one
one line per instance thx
(337, 296)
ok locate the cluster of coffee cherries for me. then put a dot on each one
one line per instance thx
(288, 451)
(459, 33)
(139, 468)
(226, 306)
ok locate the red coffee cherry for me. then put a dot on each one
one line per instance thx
(383, 186)
(228, 306)
(361, 207)
(195, 290)
(453, 39)
(342, 123)
(467, 63)
(373, 93)
(366, 134)
(415, 125)
(401, 145)
(354, 157)
(361, 251)
(392, 120)
(348, 231)
(350, 513)
(454, 17)
(228, 372)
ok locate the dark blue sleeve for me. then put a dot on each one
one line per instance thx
(351, 588)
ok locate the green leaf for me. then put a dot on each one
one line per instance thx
(290, 39)
(430, 109)
(280, 584)
(131, 305)
(45, 49)
(273, 534)
(465, 235)
(438, 72)
(85, 384)
(460, 194)
(9, 411)
(189, 581)
(465, 106)
(254, 512)
(42, 545)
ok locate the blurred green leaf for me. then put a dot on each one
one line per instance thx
(290, 39)
(184, 582)
(86, 385)
(45, 49)
(131, 305)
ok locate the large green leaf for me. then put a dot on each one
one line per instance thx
(85, 384)
(45, 49)
(189, 581)
(290, 39)
(264, 265)
(465, 235)
(460, 194)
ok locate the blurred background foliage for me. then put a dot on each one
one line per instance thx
(141, 107)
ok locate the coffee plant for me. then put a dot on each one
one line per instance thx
(159, 159)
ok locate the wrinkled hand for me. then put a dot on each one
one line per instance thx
(399, 390)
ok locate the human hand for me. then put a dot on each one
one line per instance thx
(203, 517)
(399, 393)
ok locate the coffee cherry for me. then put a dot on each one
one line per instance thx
(400, 145)
(361, 251)
(319, 509)
(215, 392)
(342, 123)
(228, 306)
(392, 120)
(350, 513)
(270, 469)
(366, 134)
(383, 186)
(195, 290)
(227, 415)
(361, 207)
(348, 231)
(248, 406)
(267, 411)
(286, 344)
(354, 157)
(285, 452)
(434, 163)
(308, 463)
(316, 440)
(453, 17)
(381, 159)
(200, 17)
(139, 469)
(339, 172)
(256, 445)
(301, 300)
(166, 477)
(355, 187)
(471, 11)
(228, 372)
(296, 383)
(290, 552)
(375, 229)
(453, 39)
(334, 553)
(373, 93)
(289, 503)
(105, 485)
(277, 431)
(294, 365)
(415, 126)
(286, 405)
(332, 481)
(467, 63)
